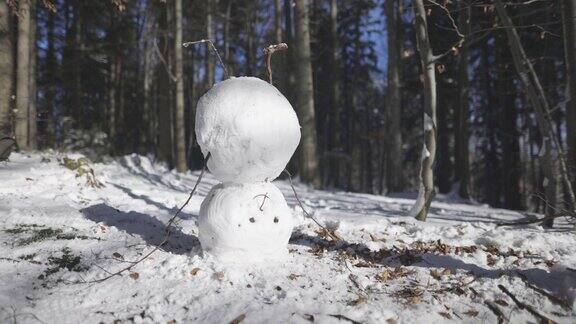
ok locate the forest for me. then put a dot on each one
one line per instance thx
(464, 98)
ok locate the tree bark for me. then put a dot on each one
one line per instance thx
(23, 76)
(179, 129)
(426, 190)
(48, 130)
(394, 153)
(6, 69)
(210, 65)
(463, 109)
(569, 18)
(32, 109)
(335, 129)
(539, 102)
(278, 21)
(305, 96)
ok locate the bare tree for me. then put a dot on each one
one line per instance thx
(427, 60)
(569, 18)
(552, 149)
(394, 98)
(335, 76)
(6, 68)
(210, 64)
(32, 109)
(179, 129)
(23, 75)
(462, 111)
(305, 96)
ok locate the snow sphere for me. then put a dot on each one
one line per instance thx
(245, 223)
(249, 128)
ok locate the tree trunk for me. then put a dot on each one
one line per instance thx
(539, 102)
(179, 129)
(305, 96)
(508, 134)
(462, 110)
(78, 109)
(335, 129)
(209, 35)
(47, 131)
(6, 69)
(394, 153)
(23, 76)
(32, 109)
(278, 21)
(569, 18)
(426, 190)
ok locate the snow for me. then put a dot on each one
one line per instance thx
(250, 129)
(245, 223)
(57, 234)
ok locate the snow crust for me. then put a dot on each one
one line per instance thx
(250, 129)
(106, 228)
(245, 223)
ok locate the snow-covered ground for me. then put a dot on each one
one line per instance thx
(58, 234)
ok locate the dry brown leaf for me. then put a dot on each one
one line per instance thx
(359, 301)
(118, 255)
(445, 315)
(194, 271)
(134, 275)
(293, 276)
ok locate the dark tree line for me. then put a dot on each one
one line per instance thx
(484, 84)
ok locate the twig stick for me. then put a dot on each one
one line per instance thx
(268, 51)
(529, 308)
(168, 226)
(214, 49)
(329, 232)
(496, 310)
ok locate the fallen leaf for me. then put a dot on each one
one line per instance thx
(359, 301)
(293, 276)
(118, 255)
(134, 275)
(238, 319)
(194, 271)
(445, 315)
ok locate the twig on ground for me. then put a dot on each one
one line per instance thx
(213, 49)
(268, 51)
(496, 310)
(525, 306)
(168, 226)
(330, 233)
(554, 299)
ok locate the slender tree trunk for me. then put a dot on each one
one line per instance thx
(335, 130)
(569, 18)
(509, 134)
(539, 102)
(394, 100)
(6, 69)
(77, 65)
(164, 92)
(23, 76)
(426, 190)
(305, 96)
(48, 129)
(179, 128)
(209, 35)
(463, 109)
(227, 58)
(32, 109)
(278, 21)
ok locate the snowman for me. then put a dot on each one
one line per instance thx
(250, 131)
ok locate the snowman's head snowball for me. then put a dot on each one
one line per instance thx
(249, 128)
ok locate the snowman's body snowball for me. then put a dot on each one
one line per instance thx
(245, 222)
(249, 128)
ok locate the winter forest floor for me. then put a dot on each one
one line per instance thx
(58, 233)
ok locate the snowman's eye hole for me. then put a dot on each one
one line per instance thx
(275, 219)
(252, 220)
